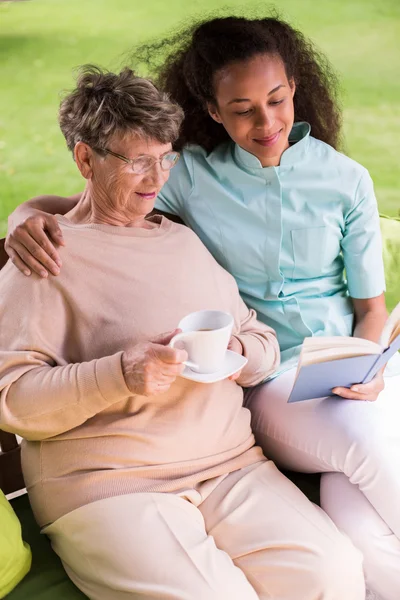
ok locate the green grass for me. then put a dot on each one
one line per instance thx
(42, 40)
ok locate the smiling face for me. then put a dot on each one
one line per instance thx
(254, 102)
(119, 195)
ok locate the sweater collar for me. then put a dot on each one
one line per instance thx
(164, 226)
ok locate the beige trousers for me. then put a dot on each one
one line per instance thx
(251, 534)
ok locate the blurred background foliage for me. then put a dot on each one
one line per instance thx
(41, 41)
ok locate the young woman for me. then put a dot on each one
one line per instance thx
(262, 184)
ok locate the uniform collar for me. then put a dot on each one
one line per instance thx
(299, 138)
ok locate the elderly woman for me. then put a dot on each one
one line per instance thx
(148, 484)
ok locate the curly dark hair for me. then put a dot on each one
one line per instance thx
(185, 63)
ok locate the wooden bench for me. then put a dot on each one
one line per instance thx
(47, 579)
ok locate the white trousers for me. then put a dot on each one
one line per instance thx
(246, 536)
(357, 445)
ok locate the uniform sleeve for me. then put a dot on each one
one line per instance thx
(362, 244)
(260, 347)
(176, 192)
(41, 394)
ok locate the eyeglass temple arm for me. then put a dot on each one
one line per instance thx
(124, 158)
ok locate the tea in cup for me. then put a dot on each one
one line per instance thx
(205, 337)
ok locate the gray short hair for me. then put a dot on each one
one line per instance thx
(104, 104)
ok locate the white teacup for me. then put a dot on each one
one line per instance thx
(205, 337)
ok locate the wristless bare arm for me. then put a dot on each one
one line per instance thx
(52, 205)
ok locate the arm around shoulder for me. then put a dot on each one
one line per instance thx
(48, 204)
(34, 234)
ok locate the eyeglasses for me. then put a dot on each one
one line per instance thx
(144, 163)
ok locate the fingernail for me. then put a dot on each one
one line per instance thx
(58, 262)
(56, 271)
(43, 273)
(354, 388)
(27, 273)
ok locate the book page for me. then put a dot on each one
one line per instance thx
(320, 342)
(327, 354)
(392, 327)
(321, 349)
(315, 343)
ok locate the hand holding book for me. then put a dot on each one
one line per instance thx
(367, 392)
(326, 363)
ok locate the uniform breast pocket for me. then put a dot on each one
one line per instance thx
(309, 247)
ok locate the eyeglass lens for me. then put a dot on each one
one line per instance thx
(142, 164)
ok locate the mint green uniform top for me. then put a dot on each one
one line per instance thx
(285, 233)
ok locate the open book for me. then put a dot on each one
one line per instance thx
(328, 362)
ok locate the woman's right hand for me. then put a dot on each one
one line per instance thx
(151, 367)
(31, 245)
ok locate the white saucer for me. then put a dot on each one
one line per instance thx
(232, 363)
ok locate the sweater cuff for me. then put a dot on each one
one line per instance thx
(262, 361)
(110, 378)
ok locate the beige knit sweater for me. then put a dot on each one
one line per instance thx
(61, 381)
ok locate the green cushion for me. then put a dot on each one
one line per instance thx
(15, 555)
(390, 228)
(47, 579)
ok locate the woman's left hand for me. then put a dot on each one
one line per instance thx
(235, 346)
(363, 391)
